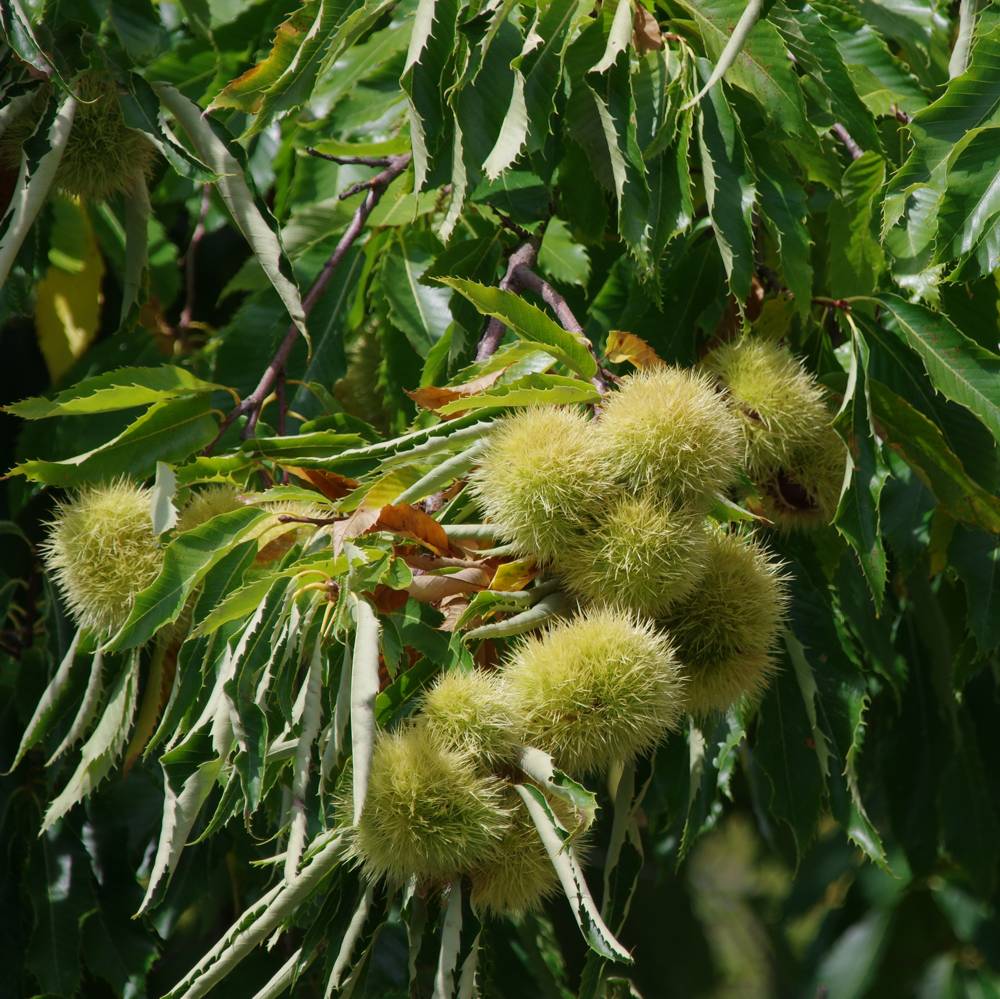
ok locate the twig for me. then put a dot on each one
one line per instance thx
(349, 192)
(372, 161)
(254, 402)
(525, 277)
(833, 303)
(521, 277)
(508, 223)
(184, 323)
(845, 137)
(524, 255)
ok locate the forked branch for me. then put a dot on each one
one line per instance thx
(252, 404)
(521, 277)
(523, 256)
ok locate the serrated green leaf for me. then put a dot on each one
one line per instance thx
(440, 476)
(513, 133)
(968, 223)
(599, 938)
(815, 51)
(969, 102)
(532, 390)
(123, 388)
(137, 217)
(102, 749)
(186, 560)
(856, 258)
(45, 711)
(561, 257)
(671, 195)
(429, 59)
(857, 516)
(785, 211)
(881, 80)
(730, 188)
(32, 187)
(959, 368)
(333, 28)
(539, 766)
(923, 447)
(168, 431)
(262, 918)
(786, 753)
(187, 787)
(246, 92)
(420, 310)
(761, 66)
(217, 151)
(19, 33)
(240, 602)
(542, 63)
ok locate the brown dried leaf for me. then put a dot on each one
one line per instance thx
(387, 600)
(330, 484)
(431, 589)
(402, 520)
(622, 346)
(433, 398)
(452, 608)
(646, 34)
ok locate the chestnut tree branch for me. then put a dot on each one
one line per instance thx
(525, 256)
(252, 404)
(521, 277)
(526, 278)
(190, 271)
(847, 139)
(372, 161)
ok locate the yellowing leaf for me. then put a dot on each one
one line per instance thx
(246, 92)
(383, 490)
(622, 346)
(514, 575)
(68, 303)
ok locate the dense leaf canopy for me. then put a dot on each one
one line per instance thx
(277, 270)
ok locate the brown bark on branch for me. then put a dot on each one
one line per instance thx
(274, 374)
(524, 255)
(521, 277)
(526, 278)
(847, 139)
(372, 161)
(190, 268)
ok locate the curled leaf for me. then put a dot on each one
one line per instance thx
(622, 346)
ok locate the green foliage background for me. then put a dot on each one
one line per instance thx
(837, 189)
